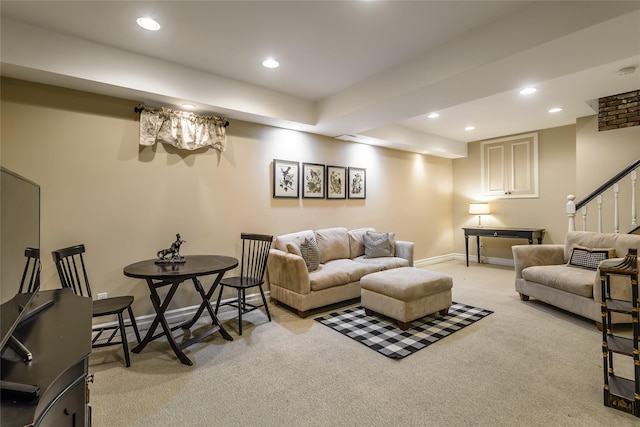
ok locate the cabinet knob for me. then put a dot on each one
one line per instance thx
(495, 234)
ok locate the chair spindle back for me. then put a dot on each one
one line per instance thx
(31, 273)
(255, 252)
(71, 269)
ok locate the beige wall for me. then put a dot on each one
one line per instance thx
(573, 160)
(600, 155)
(125, 202)
(556, 151)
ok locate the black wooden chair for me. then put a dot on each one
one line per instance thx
(255, 251)
(72, 272)
(31, 275)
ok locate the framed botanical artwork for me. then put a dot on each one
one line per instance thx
(336, 182)
(357, 185)
(285, 179)
(312, 181)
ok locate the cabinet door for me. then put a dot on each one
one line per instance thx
(510, 167)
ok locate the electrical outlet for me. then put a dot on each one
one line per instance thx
(102, 295)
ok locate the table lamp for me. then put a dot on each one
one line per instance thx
(479, 209)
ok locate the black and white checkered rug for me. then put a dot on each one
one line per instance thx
(382, 334)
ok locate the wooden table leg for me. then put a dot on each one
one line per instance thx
(466, 247)
(160, 309)
(206, 297)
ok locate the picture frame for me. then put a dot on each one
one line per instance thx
(336, 178)
(286, 179)
(313, 186)
(357, 183)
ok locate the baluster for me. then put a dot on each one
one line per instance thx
(584, 218)
(634, 221)
(616, 218)
(599, 201)
(571, 211)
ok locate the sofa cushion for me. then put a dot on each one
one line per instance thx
(281, 241)
(384, 263)
(574, 280)
(377, 245)
(356, 270)
(310, 253)
(294, 248)
(590, 239)
(326, 277)
(333, 243)
(589, 258)
(356, 241)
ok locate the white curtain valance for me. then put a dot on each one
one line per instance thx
(183, 130)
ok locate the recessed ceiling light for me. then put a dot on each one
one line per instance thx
(433, 115)
(148, 24)
(555, 110)
(470, 128)
(528, 91)
(270, 63)
(189, 106)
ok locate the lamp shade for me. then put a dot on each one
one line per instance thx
(478, 208)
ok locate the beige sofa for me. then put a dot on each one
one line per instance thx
(342, 264)
(545, 272)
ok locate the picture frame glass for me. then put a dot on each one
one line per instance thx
(286, 179)
(313, 185)
(357, 183)
(336, 182)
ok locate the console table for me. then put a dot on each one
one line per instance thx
(510, 233)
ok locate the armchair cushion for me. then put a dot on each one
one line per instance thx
(576, 281)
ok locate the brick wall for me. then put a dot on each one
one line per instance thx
(619, 111)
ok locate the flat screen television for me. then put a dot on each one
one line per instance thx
(19, 229)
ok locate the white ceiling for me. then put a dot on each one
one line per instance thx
(369, 69)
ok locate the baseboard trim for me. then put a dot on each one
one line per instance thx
(180, 315)
(506, 262)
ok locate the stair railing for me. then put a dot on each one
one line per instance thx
(597, 196)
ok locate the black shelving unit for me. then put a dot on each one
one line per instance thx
(619, 392)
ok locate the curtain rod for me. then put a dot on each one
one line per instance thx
(141, 108)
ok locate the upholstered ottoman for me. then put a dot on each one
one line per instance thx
(406, 294)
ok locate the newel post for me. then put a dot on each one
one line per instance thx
(571, 211)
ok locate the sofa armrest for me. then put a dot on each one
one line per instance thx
(529, 255)
(405, 250)
(288, 271)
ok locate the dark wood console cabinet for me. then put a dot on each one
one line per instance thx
(60, 340)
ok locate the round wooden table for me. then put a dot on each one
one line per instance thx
(173, 274)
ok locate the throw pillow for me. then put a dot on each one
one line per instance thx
(310, 253)
(589, 258)
(377, 245)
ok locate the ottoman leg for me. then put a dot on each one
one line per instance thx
(368, 312)
(444, 311)
(404, 325)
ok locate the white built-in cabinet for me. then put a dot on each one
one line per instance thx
(510, 167)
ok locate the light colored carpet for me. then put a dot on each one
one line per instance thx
(527, 364)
